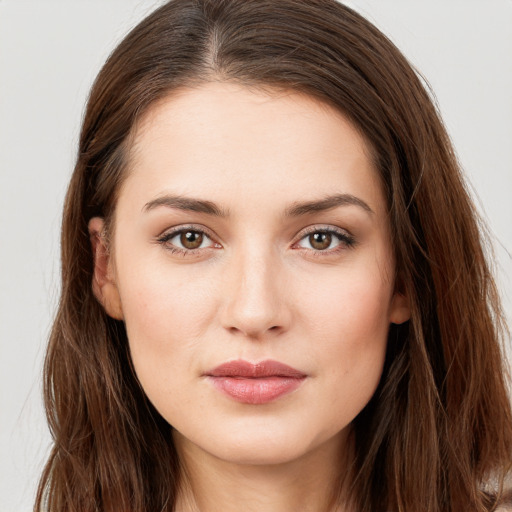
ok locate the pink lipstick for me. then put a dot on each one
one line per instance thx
(255, 384)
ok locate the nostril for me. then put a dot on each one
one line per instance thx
(254, 333)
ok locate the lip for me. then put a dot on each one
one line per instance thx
(255, 383)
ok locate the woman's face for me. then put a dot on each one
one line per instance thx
(252, 228)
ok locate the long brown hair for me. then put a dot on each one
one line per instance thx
(437, 435)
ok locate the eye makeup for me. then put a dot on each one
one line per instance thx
(191, 240)
(324, 240)
(187, 240)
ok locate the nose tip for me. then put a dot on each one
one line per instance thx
(255, 306)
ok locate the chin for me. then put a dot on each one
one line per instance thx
(259, 453)
(258, 443)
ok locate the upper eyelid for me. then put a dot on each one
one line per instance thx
(179, 229)
(322, 228)
(167, 235)
(345, 237)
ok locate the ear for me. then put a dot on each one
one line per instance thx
(400, 310)
(103, 283)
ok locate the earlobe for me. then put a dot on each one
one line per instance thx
(103, 283)
(400, 309)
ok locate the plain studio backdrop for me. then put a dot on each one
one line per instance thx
(50, 52)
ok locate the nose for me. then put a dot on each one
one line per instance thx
(256, 305)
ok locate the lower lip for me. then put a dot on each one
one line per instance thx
(256, 391)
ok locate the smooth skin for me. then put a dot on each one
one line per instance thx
(252, 225)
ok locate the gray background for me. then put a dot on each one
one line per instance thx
(50, 52)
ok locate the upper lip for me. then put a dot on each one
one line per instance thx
(245, 369)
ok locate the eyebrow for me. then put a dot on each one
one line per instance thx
(327, 203)
(187, 204)
(296, 209)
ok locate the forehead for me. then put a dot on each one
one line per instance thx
(222, 138)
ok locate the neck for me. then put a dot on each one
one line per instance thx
(314, 482)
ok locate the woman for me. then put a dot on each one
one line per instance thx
(274, 295)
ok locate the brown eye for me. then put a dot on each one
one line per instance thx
(186, 240)
(328, 240)
(191, 239)
(320, 241)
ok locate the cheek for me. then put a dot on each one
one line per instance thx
(350, 328)
(161, 296)
(353, 308)
(166, 317)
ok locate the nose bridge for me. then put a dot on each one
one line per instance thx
(254, 301)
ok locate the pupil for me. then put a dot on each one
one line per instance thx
(320, 241)
(191, 239)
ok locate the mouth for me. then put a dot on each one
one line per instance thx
(255, 384)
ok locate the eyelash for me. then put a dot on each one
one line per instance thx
(169, 235)
(346, 241)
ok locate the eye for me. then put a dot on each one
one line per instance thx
(190, 239)
(326, 239)
(186, 240)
